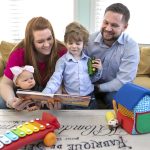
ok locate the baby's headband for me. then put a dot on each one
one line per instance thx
(16, 70)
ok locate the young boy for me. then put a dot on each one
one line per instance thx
(72, 70)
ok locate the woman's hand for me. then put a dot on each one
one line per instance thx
(14, 103)
(20, 104)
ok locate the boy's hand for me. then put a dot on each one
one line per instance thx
(54, 103)
(54, 106)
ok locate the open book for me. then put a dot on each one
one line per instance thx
(63, 98)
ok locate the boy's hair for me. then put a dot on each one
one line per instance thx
(121, 9)
(76, 32)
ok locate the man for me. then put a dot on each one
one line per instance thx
(118, 52)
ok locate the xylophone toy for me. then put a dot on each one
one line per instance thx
(30, 132)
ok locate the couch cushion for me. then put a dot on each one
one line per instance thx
(1, 66)
(144, 65)
(5, 49)
(143, 81)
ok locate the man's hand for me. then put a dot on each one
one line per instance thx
(97, 64)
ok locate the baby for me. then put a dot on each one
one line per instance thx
(24, 79)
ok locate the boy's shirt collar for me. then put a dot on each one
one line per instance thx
(70, 57)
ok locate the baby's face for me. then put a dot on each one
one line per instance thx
(25, 80)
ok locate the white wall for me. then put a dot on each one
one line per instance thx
(59, 12)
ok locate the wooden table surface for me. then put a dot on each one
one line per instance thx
(80, 130)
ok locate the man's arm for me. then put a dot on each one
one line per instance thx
(127, 70)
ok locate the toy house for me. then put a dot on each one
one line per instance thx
(132, 107)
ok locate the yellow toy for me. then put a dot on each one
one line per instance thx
(111, 120)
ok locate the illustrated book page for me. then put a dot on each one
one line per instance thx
(63, 98)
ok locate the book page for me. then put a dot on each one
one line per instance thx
(63, 98)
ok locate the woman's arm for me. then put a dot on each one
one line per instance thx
(7, 92)
(6, 89)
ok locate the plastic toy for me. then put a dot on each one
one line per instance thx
(91, 70)
(111, 120)
(30, 132)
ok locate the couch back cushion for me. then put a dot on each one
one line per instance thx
(144, 65)
(1, 66)
(5, 49)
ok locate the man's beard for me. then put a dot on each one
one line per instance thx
(112, 39)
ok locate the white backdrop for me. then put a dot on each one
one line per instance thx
(14, 15)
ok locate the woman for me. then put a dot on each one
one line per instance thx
(39, 49)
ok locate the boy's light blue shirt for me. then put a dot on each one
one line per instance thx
(120, 61)
(74, 75)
